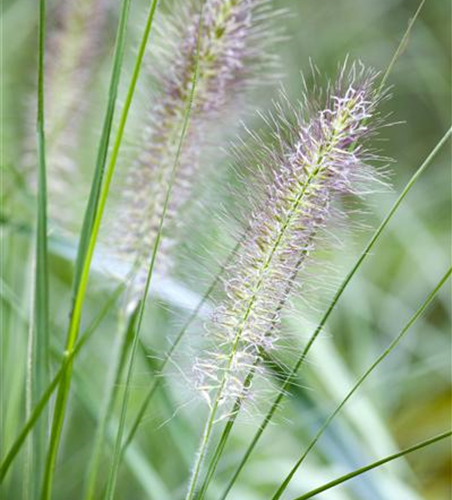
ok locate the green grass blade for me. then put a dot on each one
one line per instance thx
(38, 409)
(224, 437)
(333, 303)
(40, 360)
(360, 381)
(400, 47)
(228, 426)
(96, 185)
(125, 333)
(374, 465)
(144, 474)
(116, 459)
(42, 279)
(86, 249)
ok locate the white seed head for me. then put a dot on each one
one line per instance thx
(320, 155)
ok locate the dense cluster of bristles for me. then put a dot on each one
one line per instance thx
(231, 52)
(319, 156)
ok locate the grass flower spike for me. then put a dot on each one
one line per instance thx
(318, 158)
(232, 48)
(320, 155)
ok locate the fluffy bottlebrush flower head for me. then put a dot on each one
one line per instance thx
(319, 155)
(232, 50)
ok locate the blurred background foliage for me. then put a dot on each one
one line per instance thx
(407, 399)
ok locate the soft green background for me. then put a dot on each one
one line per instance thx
(406, 400)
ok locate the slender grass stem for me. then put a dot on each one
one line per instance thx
(42, 279)
(360, 381)
(400, 48)
(42, 403)
(374, 465)
(204, 445)
(125, 328)
(152, 390)
(225, 434)
(40, 366)
(291, 375)
(116, 459)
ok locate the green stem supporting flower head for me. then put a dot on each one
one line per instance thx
(320, 155)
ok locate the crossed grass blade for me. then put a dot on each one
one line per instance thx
(95, 209)
(42, 403)
(292, 374)
(116, 458)
(360, 381)
(374, 465)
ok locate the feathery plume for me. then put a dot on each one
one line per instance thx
(320, 155)
(73, 51)
(232, 49)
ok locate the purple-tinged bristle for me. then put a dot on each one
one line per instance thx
(230, 55)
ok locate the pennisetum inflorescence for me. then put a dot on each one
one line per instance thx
(320, 155)
(232, 51)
